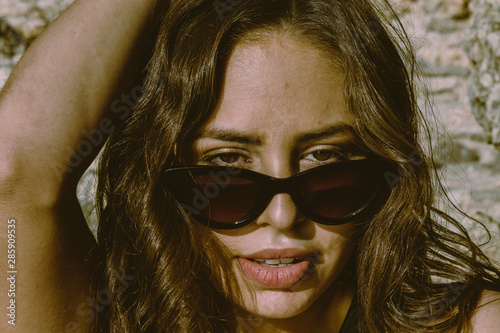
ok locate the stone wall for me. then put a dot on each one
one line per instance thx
(459, 54)
(447, 33)
(483, 48)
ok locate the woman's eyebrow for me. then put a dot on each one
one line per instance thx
(257, 139)
(231, 136)
(326, 131)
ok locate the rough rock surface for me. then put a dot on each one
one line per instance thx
(483, 48)
(442, 31)
(446, 33)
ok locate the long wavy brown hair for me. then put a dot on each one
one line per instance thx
(406, 257)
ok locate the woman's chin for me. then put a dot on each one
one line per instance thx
(278, 304)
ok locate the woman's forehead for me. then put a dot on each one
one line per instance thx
(279, 58)
(282, 84)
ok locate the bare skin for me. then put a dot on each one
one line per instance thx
(62, 88)
(276, 92)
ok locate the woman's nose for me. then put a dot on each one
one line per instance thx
(281, 213)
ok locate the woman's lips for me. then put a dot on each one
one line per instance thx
(285, 277)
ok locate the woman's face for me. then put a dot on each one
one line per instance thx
(282, 111)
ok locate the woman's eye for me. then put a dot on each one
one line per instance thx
(325, 155)
(322, 155)
(226, 158)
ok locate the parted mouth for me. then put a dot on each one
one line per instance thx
(278, 269)
(280, 256)
(276, 263)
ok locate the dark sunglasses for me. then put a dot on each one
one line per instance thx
(227, 198)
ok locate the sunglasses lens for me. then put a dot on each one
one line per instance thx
(228, 200)
(216, 196)
(339, 193)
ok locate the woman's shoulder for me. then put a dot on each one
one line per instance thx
(486, 318)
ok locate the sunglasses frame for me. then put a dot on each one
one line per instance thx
(272, 186)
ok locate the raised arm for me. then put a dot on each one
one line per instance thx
(64, 83)
(49, 110)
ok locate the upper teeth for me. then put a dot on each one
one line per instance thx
(276, 261)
